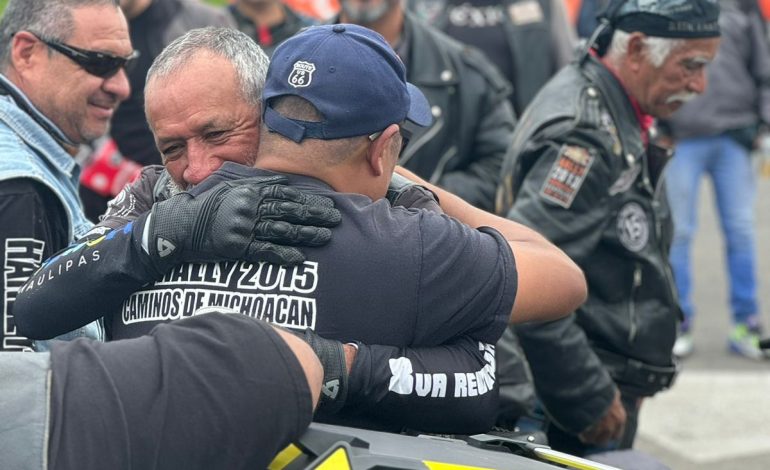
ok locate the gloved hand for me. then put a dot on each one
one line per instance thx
(253, 219)
(406, 193)
(331, 353)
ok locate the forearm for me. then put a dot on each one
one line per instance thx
(446, 389)
(81, 284)
(550, 284)
(571, 381)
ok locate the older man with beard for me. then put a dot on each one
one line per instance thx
(582, 170)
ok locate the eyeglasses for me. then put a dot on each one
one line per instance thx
(406, 135)
(100, 64)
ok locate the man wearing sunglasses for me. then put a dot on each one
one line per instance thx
(62, 78)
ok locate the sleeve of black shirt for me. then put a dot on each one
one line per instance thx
(33, 226)
(94, 276)
(209, 392)
(84, 282)
(450, 388)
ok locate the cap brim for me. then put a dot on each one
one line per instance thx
(419, 108)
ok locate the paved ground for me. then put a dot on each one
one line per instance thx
(717, 416)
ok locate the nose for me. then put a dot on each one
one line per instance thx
(698, 83)
(118, 85)
(200, 164)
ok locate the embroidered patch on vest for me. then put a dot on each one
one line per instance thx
(567, 174)
(526, 12)
(633, 228)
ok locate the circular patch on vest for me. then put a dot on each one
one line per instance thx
(633, 228)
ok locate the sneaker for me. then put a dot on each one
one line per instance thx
(683, 346)
(744, 341)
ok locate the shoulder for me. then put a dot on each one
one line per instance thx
(24, 187)
(568, 102)
(30, 199)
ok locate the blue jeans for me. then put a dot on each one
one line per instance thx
(730, 168)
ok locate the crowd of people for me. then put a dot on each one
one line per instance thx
(437, 216)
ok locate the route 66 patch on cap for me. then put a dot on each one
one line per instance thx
(566, 175)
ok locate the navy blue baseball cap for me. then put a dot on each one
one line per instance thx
(353, 78)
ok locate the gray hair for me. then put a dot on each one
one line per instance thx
(51, 19)
(248, 59)
(657, 49)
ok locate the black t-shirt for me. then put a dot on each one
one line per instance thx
(94, 277)
(33, 226)
(389, 276)
(215, 391)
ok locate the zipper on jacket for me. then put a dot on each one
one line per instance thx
(656, 197)
(632, 302)
(439, 171)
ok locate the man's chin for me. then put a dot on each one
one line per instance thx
(668, 109)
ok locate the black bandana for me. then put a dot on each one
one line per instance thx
(667, 18)
(685, 19)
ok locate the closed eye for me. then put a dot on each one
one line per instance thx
(172, 152)
(215, 135)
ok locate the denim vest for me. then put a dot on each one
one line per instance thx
(28, 151)
(25, 417)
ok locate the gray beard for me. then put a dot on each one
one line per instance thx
(173, 188)
(365, 14)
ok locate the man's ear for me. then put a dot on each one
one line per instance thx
(637, 51)
(24, 48)
(379, 151)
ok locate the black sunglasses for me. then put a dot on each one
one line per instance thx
(100, 64)
(406, 135)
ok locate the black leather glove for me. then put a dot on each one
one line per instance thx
(404, 192)
(331, 353)
(253, 219)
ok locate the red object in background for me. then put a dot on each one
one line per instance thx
(108, 170)
(319, 9)
(764, 7)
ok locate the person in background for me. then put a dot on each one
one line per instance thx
(528, 40)
(714, 135)
(462, 150)
(268, 22)
(63, 75)
(115, 160)
(583, 172)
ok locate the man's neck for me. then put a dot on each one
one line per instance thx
(263, 13)
(390, 25)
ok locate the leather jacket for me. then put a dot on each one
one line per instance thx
(580, 173)
(462, 151)
(537, 34)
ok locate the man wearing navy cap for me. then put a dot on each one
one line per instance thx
(334, 103)
(583, 172)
